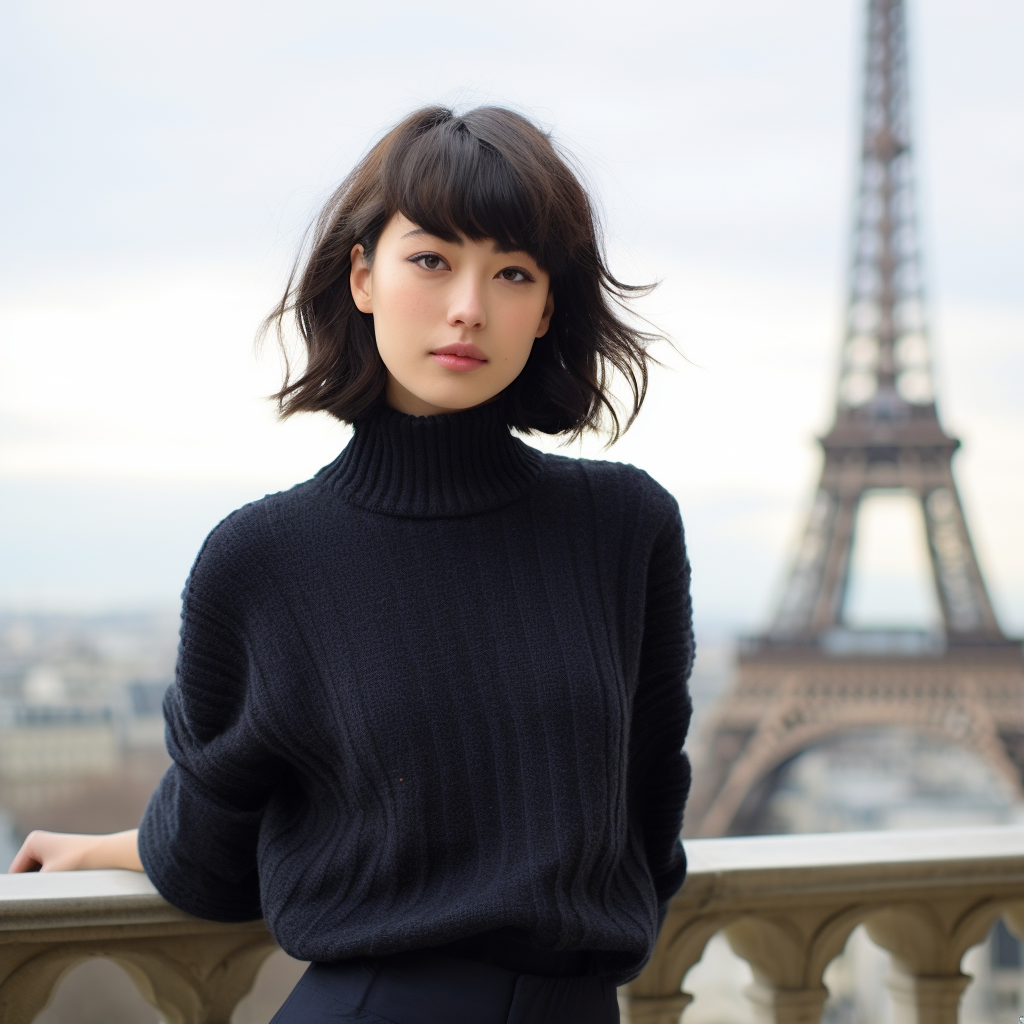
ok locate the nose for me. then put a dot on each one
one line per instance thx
(466, 308)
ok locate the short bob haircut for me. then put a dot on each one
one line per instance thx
(487, 174)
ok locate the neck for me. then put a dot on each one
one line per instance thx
(436, 466)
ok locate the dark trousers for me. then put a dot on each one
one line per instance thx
(434, 988)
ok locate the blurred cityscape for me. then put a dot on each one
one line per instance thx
(81, 725)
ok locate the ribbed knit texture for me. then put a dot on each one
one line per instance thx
(438, 690)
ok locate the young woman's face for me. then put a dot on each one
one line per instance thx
(455, 321)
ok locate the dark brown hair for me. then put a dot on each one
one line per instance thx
(489, 173)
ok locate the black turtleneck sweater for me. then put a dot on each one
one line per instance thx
(436, 691)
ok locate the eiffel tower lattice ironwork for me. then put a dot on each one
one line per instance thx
(810, 677)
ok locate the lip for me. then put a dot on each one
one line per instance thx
(460, 356)
(465, 349)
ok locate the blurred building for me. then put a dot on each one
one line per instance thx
(81, 727)
(46, 743)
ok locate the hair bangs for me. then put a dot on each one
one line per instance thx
(452, 182)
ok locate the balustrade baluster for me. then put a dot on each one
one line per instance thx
(788, 904)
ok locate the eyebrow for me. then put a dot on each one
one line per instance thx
(424, 231)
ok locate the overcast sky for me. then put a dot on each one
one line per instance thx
(161, 162)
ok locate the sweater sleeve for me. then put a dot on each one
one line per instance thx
(659, 769)
(198, 834)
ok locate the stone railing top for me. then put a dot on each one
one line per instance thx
(76, 899)
(748, 866)
(744, 865)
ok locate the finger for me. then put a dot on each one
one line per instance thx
(24, 861)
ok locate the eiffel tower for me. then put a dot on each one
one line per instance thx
(810, 677)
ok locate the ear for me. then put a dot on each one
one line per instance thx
(545, 317)
(359, 280)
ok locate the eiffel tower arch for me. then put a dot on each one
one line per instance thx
(810, 677)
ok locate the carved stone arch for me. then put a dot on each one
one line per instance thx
(189, 979)
(775, 949)
(913, 935)
(680, 946)
(832, 937)
(789, 952)
(930, 939)
(31, 976)
(199, 982)
(974, 924)
(1013, 917)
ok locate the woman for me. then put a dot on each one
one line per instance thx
(430, 705)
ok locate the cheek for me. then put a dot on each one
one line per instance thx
(402, 315)
(519, 322)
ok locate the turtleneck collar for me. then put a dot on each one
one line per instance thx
(433, 467)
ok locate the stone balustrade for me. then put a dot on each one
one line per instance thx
(787, 905)
(192, 971)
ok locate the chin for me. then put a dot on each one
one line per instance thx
(452, 394)
(457, 400)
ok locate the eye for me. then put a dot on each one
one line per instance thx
(428, 261)
(514, 274)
